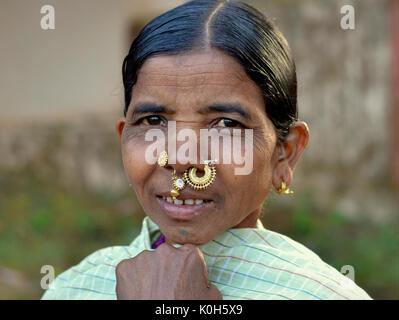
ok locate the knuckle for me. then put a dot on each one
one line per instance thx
(141, 257)
(166, 248)
(122, 266)
(163, 247)
(190, 247)
(142, 254)
(127, 265)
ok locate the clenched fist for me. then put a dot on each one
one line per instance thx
(168, 273)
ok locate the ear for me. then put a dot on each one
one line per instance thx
(120, 124)
(290, 152)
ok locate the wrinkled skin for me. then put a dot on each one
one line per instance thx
(184, 84)
(165, 274)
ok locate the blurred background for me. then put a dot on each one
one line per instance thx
(63, 192)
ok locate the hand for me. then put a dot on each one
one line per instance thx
(168, 273)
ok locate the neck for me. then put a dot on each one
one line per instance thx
(250, 220)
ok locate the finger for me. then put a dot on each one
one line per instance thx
(206, 275)
(165, 247)
(192, 248)
(188, 247)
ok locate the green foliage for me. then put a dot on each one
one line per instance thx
(49, 225)
(372, 249)
(44, 224)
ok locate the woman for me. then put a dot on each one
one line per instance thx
(216, 65)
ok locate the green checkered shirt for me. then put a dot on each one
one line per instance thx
(246, 263)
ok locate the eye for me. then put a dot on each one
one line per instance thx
(152, 121)
(228, 123)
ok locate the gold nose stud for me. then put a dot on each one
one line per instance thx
(163, 159)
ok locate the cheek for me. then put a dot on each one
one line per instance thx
(136, 166)
(263, 167)
(252, 188)
(262, 175)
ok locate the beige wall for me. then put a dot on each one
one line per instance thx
(343, 76)
(74, 68)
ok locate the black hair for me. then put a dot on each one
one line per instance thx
(238, 30)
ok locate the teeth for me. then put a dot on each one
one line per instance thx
(187, 201)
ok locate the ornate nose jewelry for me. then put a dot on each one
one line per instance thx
(190, 176)
(178, 184)
(163, 159)
(201, 183)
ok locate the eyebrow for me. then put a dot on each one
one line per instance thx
(145, 108)
(227, 108)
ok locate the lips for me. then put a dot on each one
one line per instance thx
(185, 208)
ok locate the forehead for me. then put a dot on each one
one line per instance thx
(196, 78)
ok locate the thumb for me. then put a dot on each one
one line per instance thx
(205, 270)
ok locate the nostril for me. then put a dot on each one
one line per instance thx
(200, 173)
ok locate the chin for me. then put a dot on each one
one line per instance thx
(183, 235)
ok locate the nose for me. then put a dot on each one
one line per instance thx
(181, 164)
(184, 147)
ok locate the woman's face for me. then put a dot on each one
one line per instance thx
(184, 87)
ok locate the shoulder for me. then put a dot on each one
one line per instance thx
(262, 264)
(94, 277)
(317, 279)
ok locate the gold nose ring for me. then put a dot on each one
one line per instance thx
(201, 183)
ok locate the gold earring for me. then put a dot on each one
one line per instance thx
(201, 183)
(283, 189)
